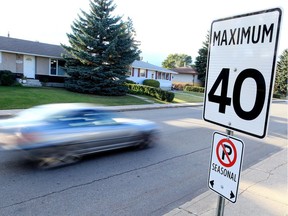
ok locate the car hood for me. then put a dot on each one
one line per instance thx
(15, 123)
(134, 121)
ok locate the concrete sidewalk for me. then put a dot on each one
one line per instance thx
(262, 191)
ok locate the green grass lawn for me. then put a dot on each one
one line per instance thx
(181, 97)
(188, 97)
(12, 97)
(25, 97)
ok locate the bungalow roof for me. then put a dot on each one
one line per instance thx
(185, 70)
(19, 46)
(146, 65)
(13, 45)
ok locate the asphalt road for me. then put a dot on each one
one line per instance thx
(131, 182)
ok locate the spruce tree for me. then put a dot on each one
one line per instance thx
(201, 60)
(102, 47)
(281, 79)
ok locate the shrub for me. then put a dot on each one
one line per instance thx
(129, 81)
(194, 88)
(178, 86)
(277, 95)
(151, 91)
(152, 83)
(53, 79)
(7, 78)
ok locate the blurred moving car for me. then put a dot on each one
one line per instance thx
(56, 134)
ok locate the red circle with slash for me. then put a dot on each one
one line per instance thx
(223, 145)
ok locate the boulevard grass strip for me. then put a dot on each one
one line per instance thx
(26, 97)
(188, 97)
(180, 97)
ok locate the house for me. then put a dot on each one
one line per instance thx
(32, 60)
(44, 62)
(141, 70)
(186, 75)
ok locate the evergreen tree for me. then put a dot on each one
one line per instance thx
(102, 47)
(281, 79)
(201, 60)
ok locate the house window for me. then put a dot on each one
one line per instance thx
(163, 76)
(142, 73)
(167, 76)
(0, 57)
(159, 75)
(57, 67)
(19, 59)
(53, 67)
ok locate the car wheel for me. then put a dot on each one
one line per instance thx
(149, 141)
(57, 160)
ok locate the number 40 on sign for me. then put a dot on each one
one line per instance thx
(240, 71)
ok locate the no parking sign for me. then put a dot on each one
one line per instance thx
(225, 165)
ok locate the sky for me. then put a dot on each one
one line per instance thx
(163, 27)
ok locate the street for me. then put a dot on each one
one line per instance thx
(132, 182)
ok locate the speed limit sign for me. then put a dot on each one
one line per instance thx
(241, 70)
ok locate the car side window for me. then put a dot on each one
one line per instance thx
(83, 118)
(102, 119)
(68, 117)
(87, 118)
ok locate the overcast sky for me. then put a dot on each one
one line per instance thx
(163, 26)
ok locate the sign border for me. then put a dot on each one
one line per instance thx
(240, 168)
(273, 72)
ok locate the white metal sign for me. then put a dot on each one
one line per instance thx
(240, 71)
(225, 165)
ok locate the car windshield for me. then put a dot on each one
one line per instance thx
(71, 114)
(36, 113)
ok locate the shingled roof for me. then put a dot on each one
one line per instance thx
(146, 65)
(185, 70)
(19, 46)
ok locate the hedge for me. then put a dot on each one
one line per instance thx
(129, 81)
(151, 91)
(181, 85)
(194, 89)
(7, 78)
(152, 83)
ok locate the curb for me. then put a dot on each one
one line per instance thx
(10, 113)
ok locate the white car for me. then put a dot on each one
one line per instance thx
(56, 134)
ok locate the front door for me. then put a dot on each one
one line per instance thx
(29, 66)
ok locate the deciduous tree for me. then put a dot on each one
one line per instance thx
(177, 60)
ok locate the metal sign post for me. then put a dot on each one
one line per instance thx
(221, 206)
(221, 200)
